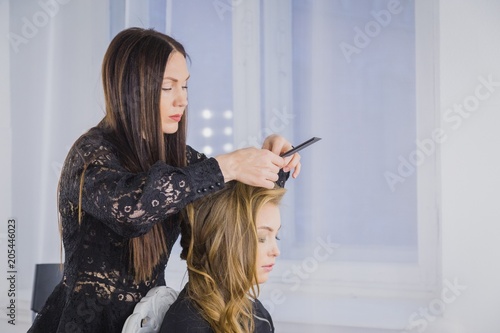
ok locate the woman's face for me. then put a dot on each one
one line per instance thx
(173, 100)
(268, 224)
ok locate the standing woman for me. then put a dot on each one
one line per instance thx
(125, 181)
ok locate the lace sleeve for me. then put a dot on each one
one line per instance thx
(129, 203)
(194, 156)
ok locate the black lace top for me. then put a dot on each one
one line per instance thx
(98, 292)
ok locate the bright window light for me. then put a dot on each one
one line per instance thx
(207, 114)
(207, 150)
(207, 132)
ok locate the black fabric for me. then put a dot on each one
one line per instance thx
(183, 317)
(97, 292)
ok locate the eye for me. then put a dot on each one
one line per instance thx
(184, 87)
(261, 239)
(277, 238)
(166, 89)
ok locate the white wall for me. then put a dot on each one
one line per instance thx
(470, 159)
(55, 84)
(5, 141)
(55, 95)
(5, 125)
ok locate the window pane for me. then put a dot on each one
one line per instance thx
(354, 86)
(206, 34)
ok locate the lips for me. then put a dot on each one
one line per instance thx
(268, 268)
(176, 117)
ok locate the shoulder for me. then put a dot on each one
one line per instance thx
(93, 145)
(94, 138)
(262, 318)
(182, 317)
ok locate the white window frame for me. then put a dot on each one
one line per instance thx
(389, 292)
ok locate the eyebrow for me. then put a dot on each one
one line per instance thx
(174, 79)
(267, 228)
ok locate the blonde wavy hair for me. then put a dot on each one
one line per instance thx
(219, 244)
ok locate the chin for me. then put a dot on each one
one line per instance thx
(262, 279)
(170, 128)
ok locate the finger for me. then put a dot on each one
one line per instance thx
(267, 144)
(283, 147)
(268, 172)
(277, 144)
(276, 160)
(286, 147)
(266, 180)
(297, 170)
(279, 147)
(274, 169)
(288, 159)
(292, 162)
(272, 176)
(269, 141)
(268, 184)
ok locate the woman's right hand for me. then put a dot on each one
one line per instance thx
(252, 166)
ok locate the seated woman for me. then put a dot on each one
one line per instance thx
(230, 245)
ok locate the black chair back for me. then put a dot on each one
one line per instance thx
(47, 276)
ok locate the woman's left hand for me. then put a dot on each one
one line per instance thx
(279, 145)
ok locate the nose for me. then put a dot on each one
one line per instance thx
(275, 250)
(181, 99)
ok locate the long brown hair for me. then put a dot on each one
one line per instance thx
(219, 244)
(132, 74)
